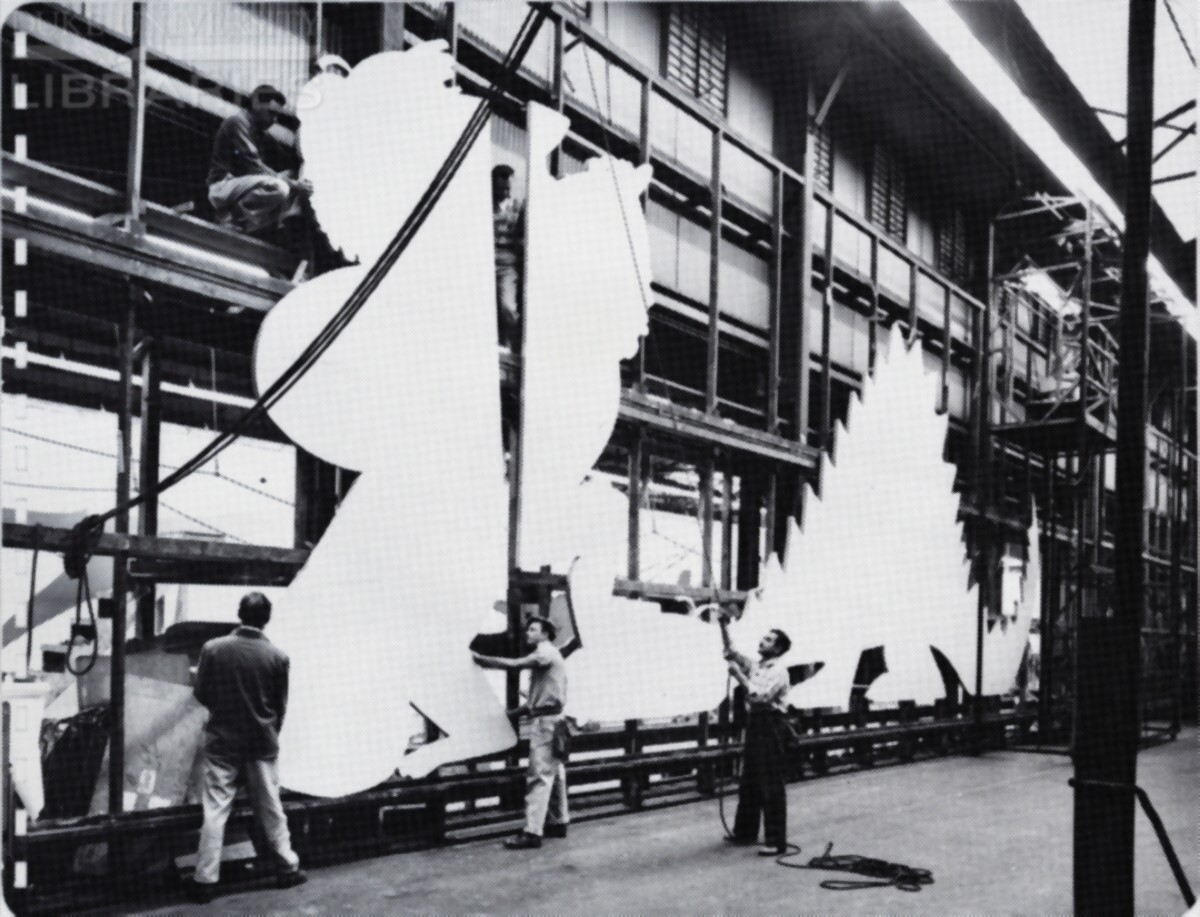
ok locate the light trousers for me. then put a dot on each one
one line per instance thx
(220, 788)
(546, 778)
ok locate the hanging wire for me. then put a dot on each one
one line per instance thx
(111, 455)
(1179, 31)
(362, 293)
(653, 343)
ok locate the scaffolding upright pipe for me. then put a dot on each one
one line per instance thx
(120, 588)
(727, 527)
(635, 504)
(137, 123)
(1048, 601)
(824, 417)
(1177, 535)
(711, 401)
(983, 452)
(1108, 677)
(775, 303)
(151, 436)
(707, 476)
(804, 278)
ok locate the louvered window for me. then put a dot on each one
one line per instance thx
(888, 195)
(824, 162)
(695, 54)
(952, 246)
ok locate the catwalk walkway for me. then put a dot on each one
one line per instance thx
(995, 831)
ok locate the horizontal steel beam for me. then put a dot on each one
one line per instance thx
(112, 249)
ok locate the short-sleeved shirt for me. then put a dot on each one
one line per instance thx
(547, 678)
(770, 682)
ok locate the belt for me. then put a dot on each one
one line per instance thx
(549, 710)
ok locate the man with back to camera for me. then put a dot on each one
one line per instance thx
(546, 780)
(243, 681)
(761, 792)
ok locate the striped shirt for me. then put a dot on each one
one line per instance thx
(506, 224)
(769, 686)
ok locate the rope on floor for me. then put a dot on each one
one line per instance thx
(881, 872)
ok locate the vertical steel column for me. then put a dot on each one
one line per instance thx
(391, 27)
(727, 529)
(706, 519)
(556, 91)
(913, 291)
(775, 306)
(318, 45)
(516, 451)
(1049, 601)
(450, 28)
(116, 734)
(711, 401)
(826, 334)
(946, 339)
(151, 433)
(639, 362)
(1087, 551)
(805, 269)
(749, 522)
(771, 501)
(983, 472)
(1178, 423)
(635, 503)
(137, 123)
(873, 324)
(1110, 648)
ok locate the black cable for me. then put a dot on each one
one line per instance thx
(1179, 31)
(724, 743)
(37, 547)
(362, 293)
(83, 587)
(882, 873)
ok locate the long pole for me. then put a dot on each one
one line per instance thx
(1109, 647)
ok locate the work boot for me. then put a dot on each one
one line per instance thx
(555, 830)
(291, 879)
(201, 892)
(523, 841)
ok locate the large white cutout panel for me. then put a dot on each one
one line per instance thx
(584, 314)
(637, 662)
(587, 284)
(881, 560)
(371, 153)
(380, 617)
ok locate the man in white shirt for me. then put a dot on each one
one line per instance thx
(546, 780)
(761, 793)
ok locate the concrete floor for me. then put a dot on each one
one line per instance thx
(995, 831)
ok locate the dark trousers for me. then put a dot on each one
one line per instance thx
(762, 792)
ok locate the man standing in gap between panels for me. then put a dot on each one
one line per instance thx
(549, 736)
